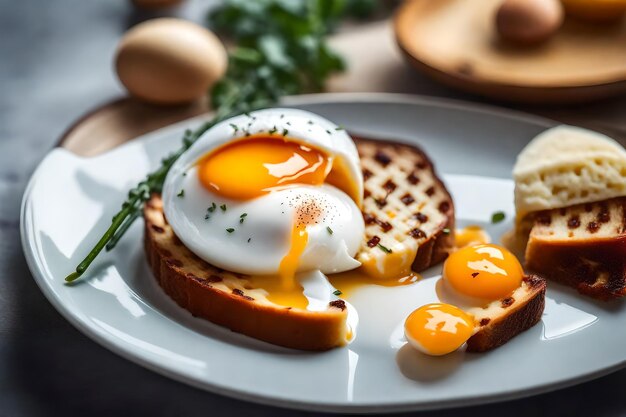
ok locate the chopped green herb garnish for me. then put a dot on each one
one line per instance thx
(384, 248)
(288, 123)
(328, 131)
(310, 122)
(273, 130)
(285, 132)
(242, 217)
(235, 127)
(207, 217)
(497, 217)
(337, 293)
(230, 230)
(282, 115)
(329, 230)
(249, 239)
(212, 208)
(340, 128)
(184, 174)
(181, 193)
(446, 231)
(223, 207)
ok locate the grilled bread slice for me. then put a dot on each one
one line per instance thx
(227, 299)
(501, 320)
(408, 213)
(583, 246)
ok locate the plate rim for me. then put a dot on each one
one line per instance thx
(109, 343)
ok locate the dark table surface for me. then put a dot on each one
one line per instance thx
(55, 65)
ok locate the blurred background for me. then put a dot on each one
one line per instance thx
(71, 63)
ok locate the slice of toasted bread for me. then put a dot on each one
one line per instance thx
(406, 208)
(226, 298)
(501, 320)
(583, 246)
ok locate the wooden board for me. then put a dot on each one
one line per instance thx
(455, 42)
(117, 122)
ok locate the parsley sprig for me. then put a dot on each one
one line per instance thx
(280, 49)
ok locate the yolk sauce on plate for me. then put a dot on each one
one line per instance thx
(471, 235)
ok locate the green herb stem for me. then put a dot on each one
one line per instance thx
(122, 229)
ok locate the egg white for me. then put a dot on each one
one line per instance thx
(258, 244)
(301, 126)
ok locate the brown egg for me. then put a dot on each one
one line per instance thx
(169, 61)
(528, 21)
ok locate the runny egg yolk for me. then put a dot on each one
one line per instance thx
(289, 263)
(483, 271)
(438, 329)
(277, 293)
(250, 168)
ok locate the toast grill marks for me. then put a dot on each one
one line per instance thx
(406, 207)
(501, 320)
(583, 246)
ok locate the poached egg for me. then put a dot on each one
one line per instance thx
(273, 192)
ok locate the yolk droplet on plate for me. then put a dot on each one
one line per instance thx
(484, 271)
(470, 236)
(438, 329)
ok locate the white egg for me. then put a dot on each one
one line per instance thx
(253, 236)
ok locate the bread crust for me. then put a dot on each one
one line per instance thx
(596, 268)
(521, 317)
(439, 244)
(283, 326)
(582, 246)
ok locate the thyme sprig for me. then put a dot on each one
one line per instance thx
(281, 49)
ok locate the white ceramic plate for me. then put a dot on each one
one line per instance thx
(70, 201)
